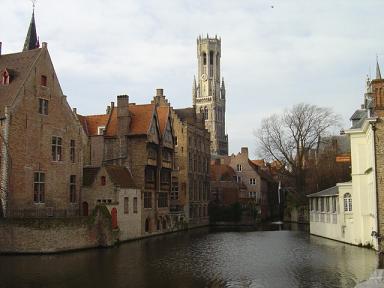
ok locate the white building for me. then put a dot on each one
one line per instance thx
(347, 212)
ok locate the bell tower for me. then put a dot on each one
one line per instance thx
(208, 94)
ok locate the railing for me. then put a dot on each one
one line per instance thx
(43, 212)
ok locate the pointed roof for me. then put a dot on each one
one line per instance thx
(378, 74)
(31, 41)
(163, 113)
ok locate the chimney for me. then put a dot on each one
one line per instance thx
(244, 150)
(45, 45)
(74, 111)
(113, 103)
(1, 44)
(108, 110)
(123, 115)
(159, 92)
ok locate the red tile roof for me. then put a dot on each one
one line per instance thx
(162, 113)
(141, 119)
(222, 172)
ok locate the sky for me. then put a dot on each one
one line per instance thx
(275, 54)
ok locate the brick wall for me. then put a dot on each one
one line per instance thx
(49, 235)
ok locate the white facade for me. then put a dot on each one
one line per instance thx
(347, 212)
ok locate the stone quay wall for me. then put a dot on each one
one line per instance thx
(52, 235)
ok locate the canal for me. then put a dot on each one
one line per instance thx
(199, 258)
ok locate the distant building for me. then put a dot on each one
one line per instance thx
(41, 139)
(261, 187)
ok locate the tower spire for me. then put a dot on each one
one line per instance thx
(32, 41)
(378, 74)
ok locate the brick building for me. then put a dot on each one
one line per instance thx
(41, 139)
(190, 180)
(139, 137)
(260, 186)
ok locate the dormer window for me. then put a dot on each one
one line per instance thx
(43, 80)
(100, 130)
(5, 77)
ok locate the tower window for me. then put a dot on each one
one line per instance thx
(210, 57)
(205, 113)
(204, 58)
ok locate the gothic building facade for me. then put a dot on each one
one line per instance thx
(209, 95)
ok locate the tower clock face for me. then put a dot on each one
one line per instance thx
(204, 77)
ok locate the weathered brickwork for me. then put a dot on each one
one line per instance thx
(30, 141)
(192, 162)
(50, 235)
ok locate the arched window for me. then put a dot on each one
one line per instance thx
(210, 57)
(147, 225)
(114, 218)
(204, 58)
(347, 202)
(5, 77)
(205, 113)
(158, 224)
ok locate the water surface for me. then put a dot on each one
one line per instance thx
(199, 258)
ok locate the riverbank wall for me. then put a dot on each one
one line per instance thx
(53, 235)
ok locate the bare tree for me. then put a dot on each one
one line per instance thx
(292, 137)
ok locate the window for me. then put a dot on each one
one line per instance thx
(72, 189)
(175, 189)
(147, 225)
(347, 202)
(165, 176)
(147, 199)
(103, 180)
(39, 187)
(211, 57)
(162, 200)
(334, 207)
(149, 175)
(126, 205)
(134, 204)
(43, 106)
(152, 153)
(167, 156)
(204, 58)
(237, 179)
(316, 204)
(190, 162)
(43, 80)
(239, 168)
(322, 204)
(327, 204)
(205, 113)
(73, 151)
(252, 181)
(5, 78)
(100, 130)
(56, 148)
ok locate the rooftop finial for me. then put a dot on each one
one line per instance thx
(33, 4)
